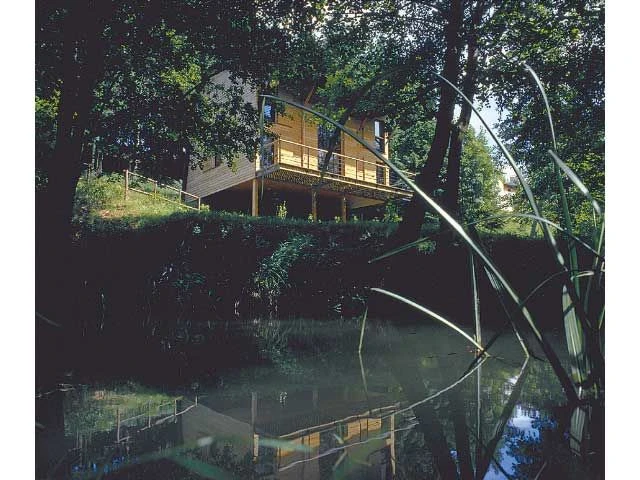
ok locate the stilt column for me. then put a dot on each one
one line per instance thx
(254, 197)
(314, 205)
(344, 209)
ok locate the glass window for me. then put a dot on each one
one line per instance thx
(269, 112)
(334, 165)
(379, 135)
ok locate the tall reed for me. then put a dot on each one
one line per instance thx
(583, 316)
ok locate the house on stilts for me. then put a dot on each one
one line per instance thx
(287, 171)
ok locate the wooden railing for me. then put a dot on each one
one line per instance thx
(287, 152)
(158, 190)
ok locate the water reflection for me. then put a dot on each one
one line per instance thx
(408, 407)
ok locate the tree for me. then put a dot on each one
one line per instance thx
(479, 176)
(136, 77)
(564, 43)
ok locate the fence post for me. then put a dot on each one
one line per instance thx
(118, 427)
(126, 184)
(155, 188)
(149, 413)
(198, 209)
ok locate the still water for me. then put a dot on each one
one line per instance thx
(413, 404)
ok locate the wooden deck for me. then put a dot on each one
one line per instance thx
(292, 162)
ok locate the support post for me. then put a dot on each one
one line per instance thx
(155, 188)
(344, 209)
(149, 413)
(392, 443)
(118, 425)
(254, 197)
(254, 408)
(126, 184)
(314, 205)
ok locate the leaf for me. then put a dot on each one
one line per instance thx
(576, 181)
(576, 341)
(432, 314)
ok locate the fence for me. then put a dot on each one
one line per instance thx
(311, 158)
(151, 416)
(148, 186)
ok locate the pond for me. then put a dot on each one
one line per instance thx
(413, 404)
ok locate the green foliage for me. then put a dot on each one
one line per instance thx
(281, 210)
(272, 277)
(154, 107)
(479, 174)
(564, 41)
(100, 201)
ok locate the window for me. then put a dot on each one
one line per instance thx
(269, 112)
(333, 165)
(381, 175)
(379, 135)
(267, 152)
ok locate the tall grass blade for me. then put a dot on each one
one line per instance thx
(430, 313)
(364, 322)
(576, 239)
(576, 181)
(400, 249)
(576, 341)
(573, 255)
(584, 273)
(475, 297)
(598, 263)
(518, 172)
(422, 240)
(546, 102)
(577, 430)
(444, 390)
(490, 448)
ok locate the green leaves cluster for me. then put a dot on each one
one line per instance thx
(479, 174)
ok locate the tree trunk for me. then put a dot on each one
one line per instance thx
(452, 190)
(427, 179)
(82, 65)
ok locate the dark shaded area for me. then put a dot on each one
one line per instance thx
(171, 295)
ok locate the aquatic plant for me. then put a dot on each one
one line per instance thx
(583, 305)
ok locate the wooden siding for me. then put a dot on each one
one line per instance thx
(208, 180)
(211, 179)
(295, 126)
(297, 147)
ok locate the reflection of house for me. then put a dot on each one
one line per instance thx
(303, 439)
(288, 170)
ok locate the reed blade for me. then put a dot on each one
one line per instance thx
(576, 181)
(576, 341)
(460, 231)
(432, 314)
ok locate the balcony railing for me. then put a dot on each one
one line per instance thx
(286, 152)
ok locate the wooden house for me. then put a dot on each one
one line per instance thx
(287, 175)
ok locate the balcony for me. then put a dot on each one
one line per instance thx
(288, 161)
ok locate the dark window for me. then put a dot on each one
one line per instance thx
(269, 112)
(268, 152)
(379, 135)
(380, 175)
(334, 164)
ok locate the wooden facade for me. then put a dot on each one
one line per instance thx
(289, 169)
